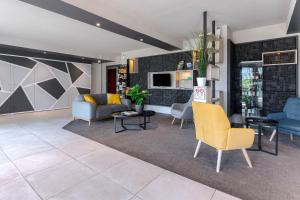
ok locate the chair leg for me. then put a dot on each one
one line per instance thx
(291, 137)
(219, 160)
(74, 118)
(273, 135)
(247, 158)
(173, 121)
(90, 123)
(197, 149)
(181, 125)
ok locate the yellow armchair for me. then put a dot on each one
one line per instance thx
(213, 128)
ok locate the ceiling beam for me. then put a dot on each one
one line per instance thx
(68, 10)
(294, 23)
(35, 53)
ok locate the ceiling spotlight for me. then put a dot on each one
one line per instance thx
(141, 39)
(98, 24)
(82, 58)
(99, 61)
(44, 52)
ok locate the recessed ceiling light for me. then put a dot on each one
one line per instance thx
(141, 39)
(82, 58)
(99, 61)
(44, 52)
(98, 24)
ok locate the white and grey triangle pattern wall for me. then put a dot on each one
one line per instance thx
(28, 84)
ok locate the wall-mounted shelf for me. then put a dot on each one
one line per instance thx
(288, 57)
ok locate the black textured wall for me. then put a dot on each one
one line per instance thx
(279, 82)
(158, 63)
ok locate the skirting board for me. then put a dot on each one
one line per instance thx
(159, 109)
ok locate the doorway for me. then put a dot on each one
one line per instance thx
(111, 80)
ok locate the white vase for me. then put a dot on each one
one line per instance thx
(201, 81)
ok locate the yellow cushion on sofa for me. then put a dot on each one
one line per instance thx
(113, 99)
(88, 98)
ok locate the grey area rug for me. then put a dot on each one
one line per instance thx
(167, 146)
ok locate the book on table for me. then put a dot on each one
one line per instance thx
(129, 113)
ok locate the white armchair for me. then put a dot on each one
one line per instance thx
(182, 111)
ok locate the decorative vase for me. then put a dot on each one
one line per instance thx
(201, 81)
(139, 108)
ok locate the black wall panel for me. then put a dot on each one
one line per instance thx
(158, 63)
(280, 82)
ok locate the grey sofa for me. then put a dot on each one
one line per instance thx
(90, 112)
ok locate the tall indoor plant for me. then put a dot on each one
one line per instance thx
(138, 96)
(203, 59)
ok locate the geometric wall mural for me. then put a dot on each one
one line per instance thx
(29, 84)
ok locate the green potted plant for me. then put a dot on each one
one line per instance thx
(204, 52)
(138, 96)
(202, 59)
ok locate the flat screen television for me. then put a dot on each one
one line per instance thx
(162, 80)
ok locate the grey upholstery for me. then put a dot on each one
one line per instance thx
(183, 111)
(87, 111)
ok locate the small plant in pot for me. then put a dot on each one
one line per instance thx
(138, 96)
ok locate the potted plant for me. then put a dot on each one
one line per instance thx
(204, 55)
(138, 96)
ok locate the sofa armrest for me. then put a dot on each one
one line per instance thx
(126, 102)
(83, 110)
(276, 116)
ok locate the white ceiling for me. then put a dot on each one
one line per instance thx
(169, 20)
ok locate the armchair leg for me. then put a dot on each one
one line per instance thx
(74, 118)
(197, 149)
(273, 135)
(90, 123)
(291, 137)
(219, 160)
(247, 158)
(181, 125)
(173, 121)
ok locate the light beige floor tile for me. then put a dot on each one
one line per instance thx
(81, 147)
(40, 161)
(136, 198)
(57, 137)
(12, 142)
(174, 187)
(3, 158)
(26, 147)
(103, 159)
(223, 196)
(95, 188)
(56, 179)
(133, 174)
(17, 190)
(8, 172)
(9, 136)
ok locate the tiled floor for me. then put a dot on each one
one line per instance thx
(40, 160)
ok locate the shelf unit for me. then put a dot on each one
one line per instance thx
(288, 57)
(184, 79)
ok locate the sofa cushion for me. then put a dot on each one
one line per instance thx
(176, 112)
(290, 124)
(113, 99)
(101, 99)
(88, 98)
(119, 108)
(103, 111)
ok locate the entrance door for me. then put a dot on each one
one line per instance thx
(111, 80)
